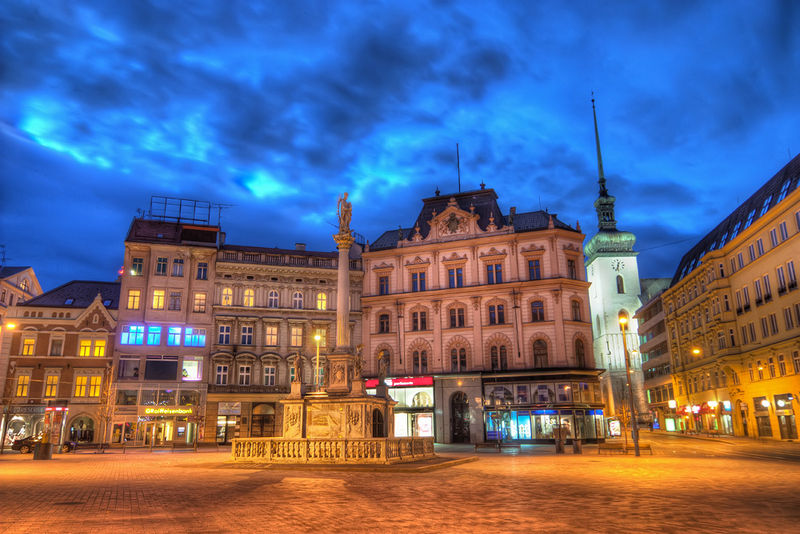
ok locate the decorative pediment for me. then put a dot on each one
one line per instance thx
(531, 249)
(452, 222)
(454, 258)
(418, 262)
(493, 253)
(96, 308)
(570, 246)
(383, 266)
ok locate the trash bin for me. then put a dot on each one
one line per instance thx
(577, 446)
(43, 451)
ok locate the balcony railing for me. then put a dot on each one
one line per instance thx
(287, 260)
(331, 451)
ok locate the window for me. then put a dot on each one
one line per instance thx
(751, 252)
(323, 336)
(537, 311)
(27, 346)
(534, 270)
(496, 314)
(272, 299)
(539, 354)
(458, 360)
(202, 271)
(764, 327)
(224, 335)
(80, 386)
(322, 301)
(765, 206)
(744, 335)
(383, 323)
(94, 385)
(792, 275)
(576, 310)
(161, 266)
(420, 359)
(247, 335)
(296, 336)
(85, 347)
(269, 375)
(767, 288)
(297, 300)
(757, 286)
(56, 347)
(132, 335)
(174, 300)
(620, 285)
(383, 285)
(227, 296)
(158, 299)
(249, 298)
(752, 329)
(174, 336)
(137, 266)
(740, 260)
(580, 354)
(760, 247)
(195, 337)
(23, 384)
(154, 335)
(796, 361)
(51, 386)
(192, 370)
(418, 281)
(773, 324)
(456, 317)
(221, 375)
(784, 231)
(271, 335)
(746, 297)
(244, 375)
(572, 271)
(177, 267)
(419, 321)
(133, 299)
(499, 358)
(455, 277)
(199, 303)
(99, 348)
(494, 273)
(128, 369)
(773, 237)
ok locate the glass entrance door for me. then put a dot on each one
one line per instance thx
(156, 434)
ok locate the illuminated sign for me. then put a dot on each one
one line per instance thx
(409, 381)
(168, 411)
(672, 404)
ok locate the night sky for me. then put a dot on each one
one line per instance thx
(276, 109)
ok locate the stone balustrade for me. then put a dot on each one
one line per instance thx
(331, 451)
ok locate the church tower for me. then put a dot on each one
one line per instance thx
(612, 269)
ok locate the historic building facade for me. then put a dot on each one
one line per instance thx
(733, 318)
(481, 321)
(656, 362)
(59, 356)
(17, 284)
(165, 326)
(269, 306)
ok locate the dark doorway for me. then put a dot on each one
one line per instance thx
(459, 417)
(377, 424)
(263, 421)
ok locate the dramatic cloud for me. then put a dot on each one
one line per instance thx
(273, 109)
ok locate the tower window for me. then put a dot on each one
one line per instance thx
(620, 285)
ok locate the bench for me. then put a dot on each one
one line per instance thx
(608, 448)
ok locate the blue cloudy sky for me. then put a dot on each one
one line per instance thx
(275, 108)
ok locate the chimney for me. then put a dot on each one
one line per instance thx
(299, 246)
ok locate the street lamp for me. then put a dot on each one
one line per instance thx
(623, 321)
(316, 372)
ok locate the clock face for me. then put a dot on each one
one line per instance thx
(617, 265)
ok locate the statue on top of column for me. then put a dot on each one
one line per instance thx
(345, 212)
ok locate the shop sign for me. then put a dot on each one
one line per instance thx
(409, 381)
(34, 410)
(229, 408)
(163, 410)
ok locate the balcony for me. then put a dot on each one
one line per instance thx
(235, 388)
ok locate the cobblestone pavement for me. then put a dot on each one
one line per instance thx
(528, 492)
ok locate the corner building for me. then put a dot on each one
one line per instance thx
(733, 318)
(482, 320)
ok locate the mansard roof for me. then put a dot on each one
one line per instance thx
(171, 233)
(764, 199)
(77, 294)
(482, 202)
(7, 271)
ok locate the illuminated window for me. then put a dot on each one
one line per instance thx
(132, 335)
(51, 386)
(100, 348)
(174, 300)
(85, 347)
(296, 338)
(133, 299)
(137, 266)
(154, 335)
(158, 299)
(322, 301)
(227, 296)
(195, 337)
(94, 385)
(323, 336)
(161, 266)
(23, 383)
(199, 303)
(247, 335)
(174, 336)
(192, 370)
(271, 338)
(80, 386)
(297, 300)
(272, 299)
(27, 346)
(249, 298)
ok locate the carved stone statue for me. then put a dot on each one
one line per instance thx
(345, 211)
(382, 366)
(298, 370)
(358, 363)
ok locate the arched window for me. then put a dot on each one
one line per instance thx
(421, 400)
(537, 311)
(503, 358)
(227, 296)
(272, 299)
(499, 357)
(620, 285)
(297, 300)
(377, 423)
(539, 353)
(576, 310)
(580, 356)
(322, 301)
(458, 359)
(24, 285)
(249, 298)
(420, 362)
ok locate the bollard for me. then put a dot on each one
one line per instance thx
(559, 446)
(577, 446)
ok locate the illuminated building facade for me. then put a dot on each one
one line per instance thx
(733, 318)
(493, 309)
(656, 361)
(17, 284)
(59, 354)
(268, 306)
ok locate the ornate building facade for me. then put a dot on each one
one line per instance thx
(481, 319)
(733, 318)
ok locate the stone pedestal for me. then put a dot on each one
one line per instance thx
(339, 366)
(317, 416)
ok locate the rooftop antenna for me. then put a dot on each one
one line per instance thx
(458, 165)
(221, 207)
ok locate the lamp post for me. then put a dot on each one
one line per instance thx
(316, 371)
(623, 321)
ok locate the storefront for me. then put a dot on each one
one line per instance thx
(155, 417)
(785, 415)
(229, 417)
(23, 421)
(413, 413)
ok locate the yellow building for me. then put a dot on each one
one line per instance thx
(733, 318)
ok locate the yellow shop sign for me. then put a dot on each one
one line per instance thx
(168, 411)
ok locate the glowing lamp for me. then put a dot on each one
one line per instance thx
(726, 405)
(317, 337)
(695, 409)
(712, 404)
(781, 403)
(696, 351)
(672, 403)
(623, 320)
(11, 326)
(765, 403)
